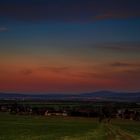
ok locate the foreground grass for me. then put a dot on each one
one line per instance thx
(14, 127)
(41, 128)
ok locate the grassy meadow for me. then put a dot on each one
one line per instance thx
(15, 127)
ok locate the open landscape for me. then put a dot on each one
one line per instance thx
(69, 69)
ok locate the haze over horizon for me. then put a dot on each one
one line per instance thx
(69, 46)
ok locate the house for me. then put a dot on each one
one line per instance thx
(55, 113)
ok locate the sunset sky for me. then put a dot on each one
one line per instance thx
(69, 46)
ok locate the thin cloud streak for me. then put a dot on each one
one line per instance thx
(124, 64)
(27, 72)
(120, 46)
(3, 29)
(54, 69)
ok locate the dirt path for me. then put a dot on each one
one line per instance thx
(125, 136)
(104, 132)
(118, 134)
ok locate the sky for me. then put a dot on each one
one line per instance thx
(69, 46)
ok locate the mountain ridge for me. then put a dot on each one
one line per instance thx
(96, 95)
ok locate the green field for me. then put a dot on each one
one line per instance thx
(14, 127)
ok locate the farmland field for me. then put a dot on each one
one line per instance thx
(15, 127)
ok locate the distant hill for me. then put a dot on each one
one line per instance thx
(94, 96)
(113, 96)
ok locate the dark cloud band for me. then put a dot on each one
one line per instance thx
(70, 10)
(124, 64)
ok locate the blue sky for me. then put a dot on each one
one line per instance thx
(87, 45)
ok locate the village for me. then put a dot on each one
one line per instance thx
(105, 110)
